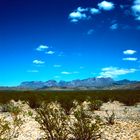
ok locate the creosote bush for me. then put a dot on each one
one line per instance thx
(85, 126)
(9, 129)
(95, 104)
(4, 127)
(79, 124)
(110, 118)
(53, 121)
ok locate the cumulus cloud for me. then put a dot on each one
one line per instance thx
(50, 52)
(129, 52)
(80, 9)
(42, 48)
(115, 71)
(38, 62)
(94, 11)
(57, 66)
(105, 5)
(130, 59)
(114, 26)
(137, 2)
(74, 20)
(136, 9)
(85, 13)
(66, 73)
(76, 16)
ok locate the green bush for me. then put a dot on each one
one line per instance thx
(95, 104)
(4, 128)
(9, 129)
(110, 118)
(85, 126)
(79, 124)
(124, 96)
(53, 121)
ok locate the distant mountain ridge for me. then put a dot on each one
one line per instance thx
(85, 83)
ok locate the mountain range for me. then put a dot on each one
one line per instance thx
(89, 83)
(84, 84)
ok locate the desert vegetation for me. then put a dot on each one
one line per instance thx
(94, 115)
(128, 97)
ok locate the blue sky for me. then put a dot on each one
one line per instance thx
(65, 40)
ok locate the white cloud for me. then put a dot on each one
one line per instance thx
(130, 59)
(138, 18)
(80, 9)
(33, 71)
(115, 71)
(57, 66)
(105, 5)
(114, 26)
(85, 13)
(136, 9)
(74, 20)
(50, 52)
(76, 16)
(129, 52)
(94, 11)
(137, 2)
(38, 62)
(66, 73)
(42, 48)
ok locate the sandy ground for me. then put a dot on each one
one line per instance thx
(126, 127)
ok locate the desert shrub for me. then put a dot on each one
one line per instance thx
(15, 110)
(110, 118)
(34, 102)
(95, 104)
(10, 107)
(66, 105)
(4, 128)
(85, 126)
(103, 95)
(9, 129)
(53, 121)
(79, 124)
(4, 108)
